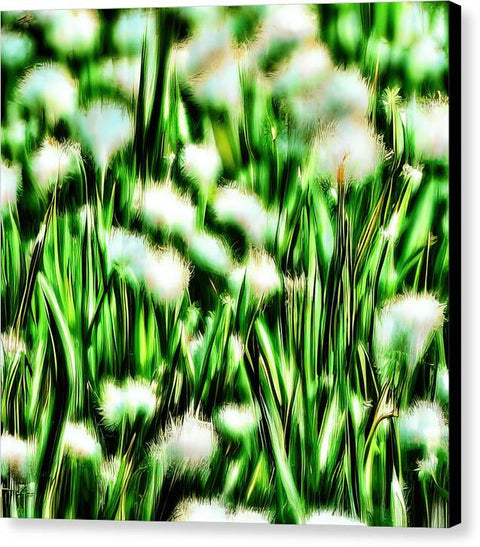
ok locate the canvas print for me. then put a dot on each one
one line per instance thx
(227, 269)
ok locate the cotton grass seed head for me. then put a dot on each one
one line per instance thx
(243, 209)
(50, 89)
(262, 274)
(162, 206)
(424, 426)
(190, 443)
(306, 69)
(105, 128)
(127, 252)
(52, 162)
(403, 329)
(16, 457)
(193, 510)
(80, 443)
(202, 164)
(350, 144)
(10, 184)
(287, 24)
(210, 253)
(123, 73)
(71, 32)
(428, 125)
(130, 29)
(235, 421)
(167, 275)
(17, 49)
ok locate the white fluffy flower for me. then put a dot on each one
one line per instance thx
(140, 399)
(167, 275)
(17, 49)
(71, 31)
(243, 209)
(49, 88)
(307, 68)
(16, 456)
(289, 23)
(429, 126)
(354, 145)
(200, 511)
(220, 86)
(424, 426)
(346, 94)
(79, 442)
(105, 128)
(210, 253)
(130, 30)
(10, 184)
(124, 73)
(236, 421)
(134, 398)
(190, 443)
(403, 328)
(51, 162)
(207, 47)
(128, 253)
(163, 206)
(327, 517)
(202, 164)
(262, 275)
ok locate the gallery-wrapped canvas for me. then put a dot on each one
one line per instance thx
(230, 249)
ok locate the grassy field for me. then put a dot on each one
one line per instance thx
(224, 264)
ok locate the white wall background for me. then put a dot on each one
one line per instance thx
(36, 533)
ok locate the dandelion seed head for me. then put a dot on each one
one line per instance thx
(427, 466)
(79, 442)
(424, 426)
(163, 206)
(346, 95)
(105, 128)
(243, 209)
(10, 183)
(49, 87)
(167, 275)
